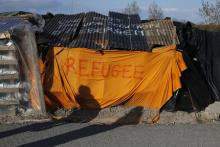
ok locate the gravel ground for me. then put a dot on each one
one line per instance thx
(122, 115)
(99, 135)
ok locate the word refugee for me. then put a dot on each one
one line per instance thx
(87, 68)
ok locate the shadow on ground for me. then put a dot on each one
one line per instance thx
(132, 117)
(72, 135)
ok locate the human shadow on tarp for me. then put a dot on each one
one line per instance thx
(89, 106)
(87, 131)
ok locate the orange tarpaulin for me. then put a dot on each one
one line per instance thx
(85, 78)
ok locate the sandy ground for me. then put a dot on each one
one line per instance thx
(123, 115)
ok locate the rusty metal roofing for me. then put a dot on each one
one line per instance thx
(92, 32)
(160, 32)
(125, 32)
(6, 24)
(62, 29)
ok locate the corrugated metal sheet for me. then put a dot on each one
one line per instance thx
(62, 29)
(7, 24)
(97, 31)
(92, 33)
(125, 32)
(160, 32)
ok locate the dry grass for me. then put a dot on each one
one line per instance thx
(208, 27)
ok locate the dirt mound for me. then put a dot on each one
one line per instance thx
(122, 115)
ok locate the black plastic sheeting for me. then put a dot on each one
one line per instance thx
(62, 29)
(203, 48)
(92, 32)
(195, 94)
(209, 56)
(126, 32)
(195, 83)
(208, 46)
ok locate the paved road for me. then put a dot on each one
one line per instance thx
(90, 135)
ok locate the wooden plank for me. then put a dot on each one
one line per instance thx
(9, 90)
(9, 102)
(8, 62)
(7, 48)
(9, 76)
(5, 35)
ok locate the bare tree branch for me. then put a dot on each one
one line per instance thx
(132, 8)
(210, 12)
(155, 12)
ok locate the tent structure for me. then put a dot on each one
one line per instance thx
(96, 61)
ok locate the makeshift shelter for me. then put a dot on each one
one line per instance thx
(20, 86)
(105, 61)
(96, 61)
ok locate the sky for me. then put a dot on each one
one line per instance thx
(176, 9)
